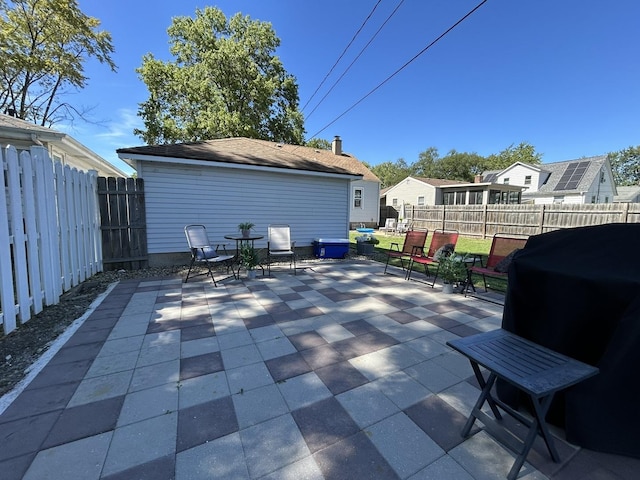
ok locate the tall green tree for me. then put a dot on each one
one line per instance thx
(461, 166)
(523, 152)
(426, 164)
(43, 47)
(318, 143)
(626, 166)
(391, 173)
(224, 80)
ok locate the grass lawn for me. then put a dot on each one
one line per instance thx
(464, 245)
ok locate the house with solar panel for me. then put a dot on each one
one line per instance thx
(587, 180)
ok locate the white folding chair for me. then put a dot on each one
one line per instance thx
(280, 245)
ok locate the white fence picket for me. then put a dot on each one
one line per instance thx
(49, 232)
(7, 294)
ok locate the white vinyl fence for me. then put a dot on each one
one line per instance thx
(49, 232)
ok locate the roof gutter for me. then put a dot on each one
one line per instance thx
(130, 160)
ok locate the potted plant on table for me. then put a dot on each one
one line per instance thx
(249, 259)
(245, 228)
(452, 269)
(365, 244)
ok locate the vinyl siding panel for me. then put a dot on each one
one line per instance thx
(221, 198)
(370, 211)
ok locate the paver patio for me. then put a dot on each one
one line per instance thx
(339, 372)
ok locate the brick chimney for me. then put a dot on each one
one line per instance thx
(477, 179)
(336, 145)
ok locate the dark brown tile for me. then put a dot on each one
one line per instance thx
(15, 468)
(307, 312)
(305, 340)
(359, 327)
(402, 317)
(25, 435)
(197, 332)
(160, 469)
(258, 321)
(321, 356)
(191, 367)
(84, 421)
(443, 322)
(341, 377)
(439, 420)
(287, 297)
(35, 401)
(463, 330)
(61, 373)
(353, 457)
(324, 423)
(205, 422)
(287, 366)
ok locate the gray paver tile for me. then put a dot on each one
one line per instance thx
(258, 405)
(234, 339)
(485, 459)
(367, 405)
(80, 459)
(99, 388)
(275, 348)
(199, 346)
(303, 390)
(240, 356)
(154, 375)
(220, 458)
(201, 389)
(121, 345)
(433, 376)
(248, 377)
(401, 389)
(306, 468)
(158, 354)
(273, 444)
(148, 403)
(104, 365)
(403, 444)
(141, 442)
(445, 468)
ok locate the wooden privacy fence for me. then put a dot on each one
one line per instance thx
(529, 219)
(124, 224)
(49, 232)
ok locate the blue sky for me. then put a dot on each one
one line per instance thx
(561, 75)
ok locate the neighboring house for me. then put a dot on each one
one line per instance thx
(432, 191)
(365, 193)
(61, 147)
(221, 183)
(627, 194)
(586, 180)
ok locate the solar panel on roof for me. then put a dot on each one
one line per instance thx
(490, 177)
(572, 176)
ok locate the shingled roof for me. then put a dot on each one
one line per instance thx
(246, 151)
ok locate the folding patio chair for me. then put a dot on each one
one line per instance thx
(203, 253)
(443, 242)
(279, 244)
(414, 238)
(389, 226)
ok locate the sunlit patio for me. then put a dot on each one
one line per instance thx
(338, 372)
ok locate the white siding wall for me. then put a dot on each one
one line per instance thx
(221, 198)
(370, 211)
(516, 176)
(408, 191)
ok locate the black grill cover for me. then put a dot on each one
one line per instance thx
(577, 291)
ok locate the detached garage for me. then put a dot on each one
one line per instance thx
(221, 183)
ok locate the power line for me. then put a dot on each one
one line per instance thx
(342, 54)
(400, 69)
(355, 59)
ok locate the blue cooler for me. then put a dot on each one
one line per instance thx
(331, 247)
